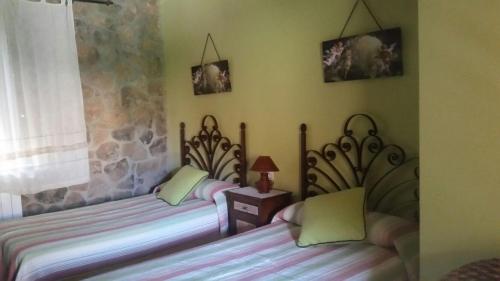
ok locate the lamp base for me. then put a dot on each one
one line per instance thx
(264, 184)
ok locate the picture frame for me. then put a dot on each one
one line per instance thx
(371, 55)
(211, 78)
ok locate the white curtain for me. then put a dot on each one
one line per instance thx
(43, 143)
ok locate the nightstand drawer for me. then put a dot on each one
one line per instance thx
(246, 208)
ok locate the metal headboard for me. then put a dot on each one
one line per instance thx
(361, 158)
(209, 150)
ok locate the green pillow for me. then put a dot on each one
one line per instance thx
(334, 218)
(181, 184)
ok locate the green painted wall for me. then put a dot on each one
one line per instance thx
(274, 52)
(460, 136)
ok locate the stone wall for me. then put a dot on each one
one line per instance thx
(120, 55)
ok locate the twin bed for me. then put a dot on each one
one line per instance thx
(113, 246)
(56, 245)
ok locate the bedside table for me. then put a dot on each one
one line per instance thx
(246, 205)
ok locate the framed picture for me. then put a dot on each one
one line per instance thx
(211, 78)
(371, 55)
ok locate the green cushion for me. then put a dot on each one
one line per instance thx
(337, 217)
(181, 184)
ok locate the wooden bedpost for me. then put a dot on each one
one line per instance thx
(243, 156)
(303, 162)
(183, 144)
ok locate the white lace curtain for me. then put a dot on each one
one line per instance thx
(43, 143)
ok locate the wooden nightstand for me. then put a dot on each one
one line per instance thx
(249, 206)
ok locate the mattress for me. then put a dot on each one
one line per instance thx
(57, 245)
(268, 253)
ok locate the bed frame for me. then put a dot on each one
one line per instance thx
(361, 158)
(209, 150)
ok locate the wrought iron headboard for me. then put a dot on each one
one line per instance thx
(209, 150)
(361, 158)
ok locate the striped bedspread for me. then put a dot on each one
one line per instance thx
(269, 253)
(52, 246)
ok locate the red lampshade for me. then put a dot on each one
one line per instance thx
(264, 164)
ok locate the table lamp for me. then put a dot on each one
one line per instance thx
(264, 165)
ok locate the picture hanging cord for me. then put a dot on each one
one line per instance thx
(352, 12)
(209, 36)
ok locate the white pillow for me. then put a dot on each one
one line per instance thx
(293, 213)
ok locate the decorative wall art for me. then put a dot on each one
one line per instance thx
(212, 77)
(371, 55)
